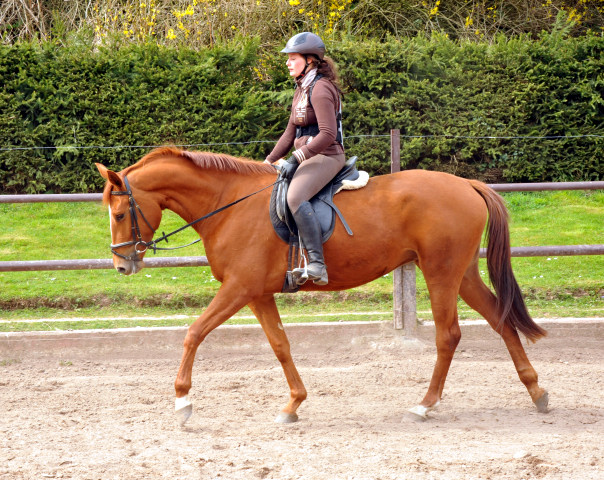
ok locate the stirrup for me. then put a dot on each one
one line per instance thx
(300, 274)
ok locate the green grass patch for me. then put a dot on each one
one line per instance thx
(553, 286)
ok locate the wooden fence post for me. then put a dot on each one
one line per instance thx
(409, 299)
(397, 296)
(404, 287)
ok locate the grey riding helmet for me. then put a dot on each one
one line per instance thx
(305, 43)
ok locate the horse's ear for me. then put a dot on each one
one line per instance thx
(102, 170)
(110, 176)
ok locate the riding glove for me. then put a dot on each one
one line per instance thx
(289, 168)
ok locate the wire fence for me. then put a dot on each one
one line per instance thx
(404, 294)
(251, 142)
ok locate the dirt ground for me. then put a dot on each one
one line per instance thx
(93, 413)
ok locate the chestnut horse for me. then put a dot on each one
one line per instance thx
(433, 219)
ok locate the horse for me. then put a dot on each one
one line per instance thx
(433, 219)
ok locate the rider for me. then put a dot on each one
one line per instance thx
(315, 131)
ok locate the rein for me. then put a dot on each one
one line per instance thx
(137, 239)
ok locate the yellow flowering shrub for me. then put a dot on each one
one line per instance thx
(202, 22)
(199, 23)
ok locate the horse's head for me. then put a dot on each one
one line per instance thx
(131, 229)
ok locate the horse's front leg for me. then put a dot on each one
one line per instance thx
(267, 314)
(228, 301)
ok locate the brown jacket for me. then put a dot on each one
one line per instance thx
(323, 111)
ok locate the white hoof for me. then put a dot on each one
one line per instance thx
(183, 408)
(542, 403)
(420, 413)
(286, 418)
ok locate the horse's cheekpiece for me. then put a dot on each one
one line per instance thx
(137, 238)
(349, 178)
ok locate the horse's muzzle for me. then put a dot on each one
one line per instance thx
(128, 267)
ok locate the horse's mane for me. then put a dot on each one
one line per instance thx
(207, 160)
(204, 160)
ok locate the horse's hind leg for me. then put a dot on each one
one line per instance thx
(267, 314)
(443, 298)
(478, 296)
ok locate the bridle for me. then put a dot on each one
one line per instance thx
(137, 238)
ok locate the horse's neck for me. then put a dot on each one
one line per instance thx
(191, 192)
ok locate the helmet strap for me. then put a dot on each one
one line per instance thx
(307, 64)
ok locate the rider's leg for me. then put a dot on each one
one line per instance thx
(312, 175)
(310, 231)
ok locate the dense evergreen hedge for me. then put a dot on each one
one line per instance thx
(76, 96)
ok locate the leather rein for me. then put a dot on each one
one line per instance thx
(140, 246)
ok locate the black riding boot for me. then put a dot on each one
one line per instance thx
(310, 231)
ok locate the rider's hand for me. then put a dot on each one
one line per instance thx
(289, 168)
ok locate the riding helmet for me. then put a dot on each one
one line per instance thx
(305, 43)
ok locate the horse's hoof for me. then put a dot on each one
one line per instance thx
(418, 413)
(183, 408)
(184, 414)
(542, 403)
(286, 418)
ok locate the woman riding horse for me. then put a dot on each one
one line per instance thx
(433, 219)
(315, 131)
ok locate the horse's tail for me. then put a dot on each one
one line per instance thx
(510, 303)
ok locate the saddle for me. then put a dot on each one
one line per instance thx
(348, 178)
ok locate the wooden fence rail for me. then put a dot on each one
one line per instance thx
(161, 262)
(405, 307)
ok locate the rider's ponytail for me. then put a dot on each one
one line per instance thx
(327, 68)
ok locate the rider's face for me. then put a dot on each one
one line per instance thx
(295, 64)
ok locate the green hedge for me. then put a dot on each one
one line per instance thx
(140, 95)
(510, 88)
(442, 94)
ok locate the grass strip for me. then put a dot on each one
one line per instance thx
(553, 286)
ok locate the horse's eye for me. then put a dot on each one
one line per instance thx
(119, 217)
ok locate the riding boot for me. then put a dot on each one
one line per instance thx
(310, 231)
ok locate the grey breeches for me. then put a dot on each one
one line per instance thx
(311, 176)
